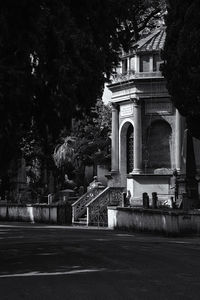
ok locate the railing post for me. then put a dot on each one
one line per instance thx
(73, 209)
(145, 199)
(186, 203)
(99, 210)
(173, 203)
(154, 200)
(123, 199)
(88, 216)
(50, 199)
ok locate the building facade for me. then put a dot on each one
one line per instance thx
(147, 130)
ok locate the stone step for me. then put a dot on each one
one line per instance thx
(83, 217)
(80, 223)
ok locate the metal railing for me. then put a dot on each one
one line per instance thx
(79, 207)
(97, 208)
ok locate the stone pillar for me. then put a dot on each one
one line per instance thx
(137, 64)
(137, 141)
(178, 133)
(151, 64)
(115, 139)
(128, 65)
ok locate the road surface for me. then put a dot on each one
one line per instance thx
(58, 262)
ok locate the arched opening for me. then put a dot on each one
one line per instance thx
(129, 147)
(126, 147)
(159, 144)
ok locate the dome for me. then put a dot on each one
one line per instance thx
(153, 42)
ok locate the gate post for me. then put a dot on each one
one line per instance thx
(154, 200)
(145, 199)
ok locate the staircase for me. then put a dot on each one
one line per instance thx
(79, 210)
(91, 208)
(81, 221)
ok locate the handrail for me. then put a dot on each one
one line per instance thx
(99, 195)
(79, 199)
(79, 207)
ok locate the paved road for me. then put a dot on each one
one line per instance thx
(55, 262)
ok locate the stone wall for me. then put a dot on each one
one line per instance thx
(169, 222)
(102, 170)
(54, 214)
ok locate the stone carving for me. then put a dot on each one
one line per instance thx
(126, 110)
(158, 108)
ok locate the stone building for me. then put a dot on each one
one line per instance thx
(149, 142)
(147, 130)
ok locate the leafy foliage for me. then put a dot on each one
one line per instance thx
(89, 143)
(52, 51)
(182, 56)
(55, 57)
(142, 17)
(64, 152)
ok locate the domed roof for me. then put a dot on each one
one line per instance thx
(153, 42)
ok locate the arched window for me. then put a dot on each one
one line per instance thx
(129, 147)
(158, 144)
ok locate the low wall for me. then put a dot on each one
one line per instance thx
(55, 214)
(170, 222)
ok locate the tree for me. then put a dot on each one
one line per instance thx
(182, 70)
(89, 144)
(55, 57)
(142, 17)
(182, 59)
(52, 51)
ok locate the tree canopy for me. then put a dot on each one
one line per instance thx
(182, 59)
(55, 57)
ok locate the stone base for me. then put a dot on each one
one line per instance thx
(139, 184)
(136, 172)
(114, 179)
(136, 202)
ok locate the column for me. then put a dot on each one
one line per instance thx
(128, 65)
(137, 64)
(151, 64)
(178, 132)
(137, 143)
(115, 139)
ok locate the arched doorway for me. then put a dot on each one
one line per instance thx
(126, 147)
(129, 148)
(159, 144)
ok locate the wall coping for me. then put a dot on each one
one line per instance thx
(173, 212)
(31, 205)
(148, 175)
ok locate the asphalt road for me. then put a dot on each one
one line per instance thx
(55, 262)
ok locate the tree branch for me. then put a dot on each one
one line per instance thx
(148, 18)
(135, 28)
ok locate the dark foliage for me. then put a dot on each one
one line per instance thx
(54, 59)
(182, 56)
(88, 145)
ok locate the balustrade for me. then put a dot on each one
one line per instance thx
(97, 208)
(133, 75)
(79, 207)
